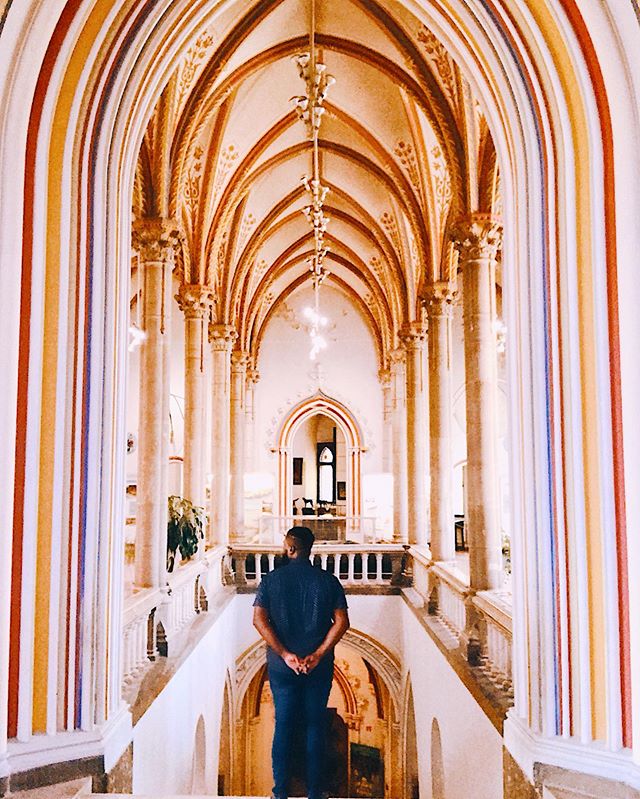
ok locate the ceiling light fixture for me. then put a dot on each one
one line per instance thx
(310, 108)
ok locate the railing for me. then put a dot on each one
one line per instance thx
(338, 529)
(495, 608)
(153, 618)
(480, 622)
(353, 565)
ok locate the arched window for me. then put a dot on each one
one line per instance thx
(326, 474)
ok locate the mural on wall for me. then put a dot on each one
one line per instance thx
(366, 777)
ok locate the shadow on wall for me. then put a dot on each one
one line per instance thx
(412, 782)
(224, 757)
(198, 775)
(437, 762)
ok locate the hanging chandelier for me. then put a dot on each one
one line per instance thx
(310, 109)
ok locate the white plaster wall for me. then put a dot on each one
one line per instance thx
(164, 738)
(348, 368)
(471, 746)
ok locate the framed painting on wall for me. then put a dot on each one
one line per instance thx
(297, 471)
(341, 489)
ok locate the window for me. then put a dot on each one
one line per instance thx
(326, 474)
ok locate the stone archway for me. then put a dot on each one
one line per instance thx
(347, 719)
(345, 420)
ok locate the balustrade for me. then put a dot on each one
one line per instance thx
(480, 622)
(353, 565)
(153, 618)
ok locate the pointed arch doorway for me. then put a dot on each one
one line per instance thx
(345, 422)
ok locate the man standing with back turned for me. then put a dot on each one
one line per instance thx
(301, 612)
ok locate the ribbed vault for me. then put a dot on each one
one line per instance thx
(404, 150)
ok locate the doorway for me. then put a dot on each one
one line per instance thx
(319, 480)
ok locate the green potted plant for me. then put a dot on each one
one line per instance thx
(185, 529)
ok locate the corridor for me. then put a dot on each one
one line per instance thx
(366, 266)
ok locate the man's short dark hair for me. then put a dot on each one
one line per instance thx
(304, 536)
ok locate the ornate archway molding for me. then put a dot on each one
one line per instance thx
(320, 403)
(249, 663)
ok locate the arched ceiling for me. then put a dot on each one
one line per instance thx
(403, 147)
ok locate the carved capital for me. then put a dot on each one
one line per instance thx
(439, 298)
(240, 360)
(155, 239)
(253, 375)
(413, 336)
(194, 300)
(384, 376)
(477, 238)
(396, 357)
(222, 337)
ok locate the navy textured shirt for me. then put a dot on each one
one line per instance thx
(300, 599)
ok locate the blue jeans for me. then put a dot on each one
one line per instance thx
(294, 694)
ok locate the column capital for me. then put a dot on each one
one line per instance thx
(222, 337)
(253, 375)
(384, 376)
(413, 336)
(240, 360)
(439, 298)
(397, 357)
(477, 238)
(194, 300)
(155, 239)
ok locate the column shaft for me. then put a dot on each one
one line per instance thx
(440, 421)
(239, 362)
(387, 419)
(250, 417)
(153, 242)
(195, 303)
(222, 338)
(478, 243)
(399, 449)
(414, 338)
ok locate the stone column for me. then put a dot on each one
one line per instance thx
(399, 448)
(414, 338)
(222, 338)
(478, 240)
(439, 298)
(195, 302)
(154, 241)
(239, 361)
(250, 439)
(387, 419)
